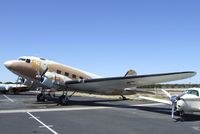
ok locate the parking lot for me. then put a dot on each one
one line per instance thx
(84, 115)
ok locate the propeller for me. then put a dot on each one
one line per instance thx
(40, 76)
(174, 100)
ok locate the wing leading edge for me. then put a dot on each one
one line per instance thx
(101, 85)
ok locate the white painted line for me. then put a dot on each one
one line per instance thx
(44, 126)
(35, 117)
(51, 109)
(196, 128)
(54, 132)
(8, 98)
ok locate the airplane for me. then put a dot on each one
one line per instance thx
(186, 102)
(15, 88)
(49, 76)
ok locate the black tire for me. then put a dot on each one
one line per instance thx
(63, 100)
(40, 98)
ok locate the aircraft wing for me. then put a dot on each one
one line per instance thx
(119, 83)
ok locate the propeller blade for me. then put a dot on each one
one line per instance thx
(166, 93)
(44, 72)
(180, 95)
(173, 109)
(39, 75)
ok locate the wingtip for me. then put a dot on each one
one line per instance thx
(193, 72)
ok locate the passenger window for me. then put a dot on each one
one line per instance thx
(28, 61)
(81, 77)
(58, 71)
(66, 74)
(73, 76)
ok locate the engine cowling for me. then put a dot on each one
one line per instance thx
(53, 80)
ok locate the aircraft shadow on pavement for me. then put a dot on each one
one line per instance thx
(161, 110)
(118, 103)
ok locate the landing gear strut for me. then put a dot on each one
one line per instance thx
(63, 99)
(41, 96)
(182, 113)
(47, 95)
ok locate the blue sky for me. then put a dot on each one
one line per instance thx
(106, 37)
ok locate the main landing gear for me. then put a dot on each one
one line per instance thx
(181, 114)
(63, 99)
(50, 96)
(41, 97)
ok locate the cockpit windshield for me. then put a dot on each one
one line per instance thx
(22, 59)
(25, 60)
(194, 92)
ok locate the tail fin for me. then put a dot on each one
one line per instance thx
(131, 73)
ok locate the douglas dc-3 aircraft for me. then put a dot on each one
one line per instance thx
(52, 76)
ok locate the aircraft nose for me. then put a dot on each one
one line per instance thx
(180, 105)
(8, 64)
(20, 68)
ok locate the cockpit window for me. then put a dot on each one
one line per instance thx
(28, 61)
(42, 59)
(194, 92)
(25, 60)
(22, 59)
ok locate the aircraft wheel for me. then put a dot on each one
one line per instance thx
(40, 98)
(182, 115)
(63, 100)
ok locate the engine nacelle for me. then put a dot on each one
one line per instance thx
(48, 82)
(53, 80)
